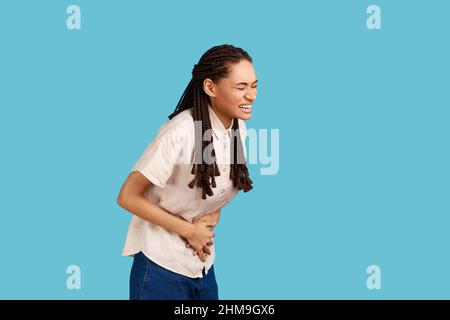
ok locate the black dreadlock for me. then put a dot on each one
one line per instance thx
(213, 64)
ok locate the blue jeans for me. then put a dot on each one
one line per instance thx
(149, 281)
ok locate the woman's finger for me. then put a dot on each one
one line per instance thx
(202, 256)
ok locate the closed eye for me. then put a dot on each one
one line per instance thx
(254, 87)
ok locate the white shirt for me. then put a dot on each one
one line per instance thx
(167, 163)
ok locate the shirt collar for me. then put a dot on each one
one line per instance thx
(217, 125)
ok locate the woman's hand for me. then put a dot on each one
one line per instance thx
(210, 221)
(199, 236)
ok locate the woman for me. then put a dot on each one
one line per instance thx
(194, 166)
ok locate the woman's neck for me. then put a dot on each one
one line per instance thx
(226, 121)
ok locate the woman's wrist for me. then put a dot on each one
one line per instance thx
(186, 229)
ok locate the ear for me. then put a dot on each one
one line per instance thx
(209, 87)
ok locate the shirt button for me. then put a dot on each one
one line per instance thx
(223, 191)
(224, 169)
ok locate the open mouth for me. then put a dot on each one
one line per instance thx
(246, 108)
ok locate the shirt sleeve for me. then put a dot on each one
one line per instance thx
(159, 158)
(157, 163)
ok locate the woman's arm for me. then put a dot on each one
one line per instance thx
(131, 199)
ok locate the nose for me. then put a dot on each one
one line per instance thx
(250, 95)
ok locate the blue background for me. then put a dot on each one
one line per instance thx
(364, 159)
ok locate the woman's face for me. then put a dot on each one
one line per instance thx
(233, 96)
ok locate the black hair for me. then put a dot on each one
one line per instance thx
(213, 64)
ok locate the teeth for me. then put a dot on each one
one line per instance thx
(244, 106)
